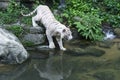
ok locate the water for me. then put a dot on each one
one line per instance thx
(109, 35)
(82, 61)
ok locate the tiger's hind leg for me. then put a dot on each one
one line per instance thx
(50, 40)
(34, 19)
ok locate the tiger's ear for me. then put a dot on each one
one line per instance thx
(64, 30)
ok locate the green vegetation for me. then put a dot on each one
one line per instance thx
(91, 14)
(89, 27)
(11, 14)
(28, 43)
(16, 29)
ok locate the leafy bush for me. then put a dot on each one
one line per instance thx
(89, 27)
(109, 11)
(91, 13)
(89, 24)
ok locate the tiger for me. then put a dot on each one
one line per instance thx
(53, 27)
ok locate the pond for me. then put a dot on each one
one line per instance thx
(83, 60)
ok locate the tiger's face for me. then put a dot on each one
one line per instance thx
(64, 33)
(67, 34)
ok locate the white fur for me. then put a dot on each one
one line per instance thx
(53, 27)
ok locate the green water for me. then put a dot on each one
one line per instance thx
(82, 61)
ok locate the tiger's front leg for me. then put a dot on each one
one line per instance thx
(60, 43)
(50, 40)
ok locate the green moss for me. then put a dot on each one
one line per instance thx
(16, 29)
(27, 43)
(105, 75)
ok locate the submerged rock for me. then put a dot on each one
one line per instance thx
(104, 75)
(117, 32)
(11, 50)
(85, 52)
(94, 51)
(105, 44)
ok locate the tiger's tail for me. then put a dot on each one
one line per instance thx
(31, 13)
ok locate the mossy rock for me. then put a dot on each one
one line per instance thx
(85, 52)
(117, 31)
(104, 75)
(16, 29)
(105, 44)
(94, 52)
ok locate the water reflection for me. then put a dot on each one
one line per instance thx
(82, 61)
(54, 68)
(12, 72)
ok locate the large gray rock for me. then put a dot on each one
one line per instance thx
(38, 30)
(11, 50)
(36, 39)
(35, 35)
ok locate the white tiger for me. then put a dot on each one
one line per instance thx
(53, 27)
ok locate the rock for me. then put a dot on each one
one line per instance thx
(104, 75)
(56, 12)
(30, 35)
(75, 34)
(117, 32)
(35, 30)
(77, 18)
(11, 50)
(39, 54)
(118, 46)
(117, 42)
(75, 52)
(5, 3)
(85, 52)
(34, 38)
(43, 47)
(105, 44)
(94, 51)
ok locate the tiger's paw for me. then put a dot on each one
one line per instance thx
(52, 46)
(64, 49)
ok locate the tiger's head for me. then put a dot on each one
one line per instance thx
(64, 32)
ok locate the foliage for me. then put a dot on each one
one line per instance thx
(11, 14)
(91, 13)
(89, 24)
(89, 27)
(109, 11)
(27, 43)
(27, 20)
(16, 29)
